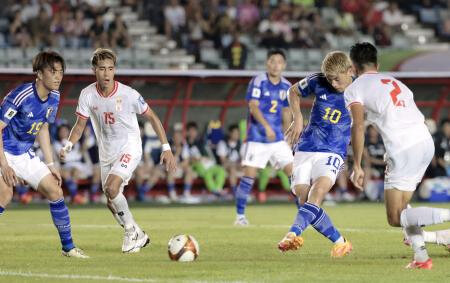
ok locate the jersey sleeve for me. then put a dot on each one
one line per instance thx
(352, 96)
(306, 85)
(253, 91)
(8, 109)
(138, 103)
(83, 108)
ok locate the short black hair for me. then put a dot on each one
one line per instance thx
(233, 127)
(191, 124)
(47, 59)
(363, 53)
(275, 52)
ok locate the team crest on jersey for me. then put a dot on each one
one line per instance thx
(49, 112)
(141, 100)
(119, 104)
(283, 94)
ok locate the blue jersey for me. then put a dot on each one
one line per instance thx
(328, 129)
(272, 99)
(24, 113)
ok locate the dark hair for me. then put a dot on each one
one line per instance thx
(232, 128)
(363, 54)
(275, 52)
(102, 54)
(47, 59)
(191, 124)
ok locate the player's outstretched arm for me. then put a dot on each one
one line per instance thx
(8, 174)
(294, 131)
(253, 106)
(43, 138)
(74, 136)
(357, 111)
(166, 155)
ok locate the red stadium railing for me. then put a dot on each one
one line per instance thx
(185, 82)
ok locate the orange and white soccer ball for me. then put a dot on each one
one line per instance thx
(183, 248)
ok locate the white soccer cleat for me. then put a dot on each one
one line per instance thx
(75, 252)
(142, 241)
(241, 220)
(134, 239)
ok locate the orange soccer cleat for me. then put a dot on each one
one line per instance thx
(420, 265)
(290, 242)
(341, 249)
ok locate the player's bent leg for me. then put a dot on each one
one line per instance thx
(60, 215)
(396, 201)
(319, 189)
(134, 237)
(6, 194)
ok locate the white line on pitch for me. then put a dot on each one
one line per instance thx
(72, 276)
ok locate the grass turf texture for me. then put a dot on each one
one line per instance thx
(29, 247)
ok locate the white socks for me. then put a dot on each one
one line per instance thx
(424, 216)
(417, 242)
(123, 212)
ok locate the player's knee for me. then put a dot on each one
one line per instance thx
(393, 219)
(54, 193)
(111, 191)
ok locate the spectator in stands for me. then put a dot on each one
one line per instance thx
(73, 168)
(89, 148)
(18, 32)
(374, 164)
(442, 147)
(392, 16)
(184, 170)
(98, 35)
(247, 15)
(79, 33)
(40, 30)
(236, 53)
(195, 25)
(228, 152)
(175, 20)
(118, 33)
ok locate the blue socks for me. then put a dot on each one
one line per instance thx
(72, 187)
(242, 191)
(187, 189)
(1, 210)
(317, 217)
(170, 187)
(61, 219)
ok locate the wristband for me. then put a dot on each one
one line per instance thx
(50, 164)
(165, 147)
(68, 146)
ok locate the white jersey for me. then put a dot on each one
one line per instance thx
(390, 106)
(113, 118)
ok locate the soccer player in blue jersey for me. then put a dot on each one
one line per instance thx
(321, 149)
(269, 111)
(25, 114)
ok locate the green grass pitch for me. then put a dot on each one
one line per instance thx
(29, 247)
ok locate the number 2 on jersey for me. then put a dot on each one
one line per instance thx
(333, 117)
(394, 93)
(273, 109)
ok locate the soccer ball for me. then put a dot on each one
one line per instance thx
(183, 248)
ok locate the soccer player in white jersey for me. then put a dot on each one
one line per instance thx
(25, 114)
(390, 106)
(113, 107)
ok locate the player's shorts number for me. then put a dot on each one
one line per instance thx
(35, 127)
(334, 116)
(273, 109)
(125, 159)
(334, 161)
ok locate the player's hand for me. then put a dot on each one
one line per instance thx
(67, 148)
(9, 176)
(270, 134)
(293, 133)
(357, 177)
(55, 173)
(62, 154)
(168, 160)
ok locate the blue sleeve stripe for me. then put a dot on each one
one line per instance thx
(22, 94)
(23, 97)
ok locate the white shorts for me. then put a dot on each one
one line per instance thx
(28, 167)
(123, 166)
(257, 154)
(405, 169)
(309, 166)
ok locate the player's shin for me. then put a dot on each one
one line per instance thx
(61, 219)
(121, 206)
(305, 215)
